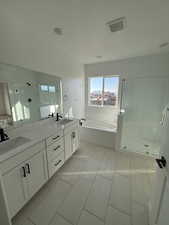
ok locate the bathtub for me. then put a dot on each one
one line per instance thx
(99, 133)
(100, 125)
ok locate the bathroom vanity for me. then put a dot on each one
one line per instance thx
(33, 154)
(38, 145)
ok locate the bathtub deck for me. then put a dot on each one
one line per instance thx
(98, 137)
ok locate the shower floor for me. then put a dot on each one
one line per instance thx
(142, 146)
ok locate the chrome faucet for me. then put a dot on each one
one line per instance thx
(3, 135)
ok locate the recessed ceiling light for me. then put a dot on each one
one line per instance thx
(164, 44)
(99, 56)
(58, 30)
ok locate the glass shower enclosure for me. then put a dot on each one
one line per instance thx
(143, 101)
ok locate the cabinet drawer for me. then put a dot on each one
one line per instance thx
(54, 149)
(16, 160)
(54, 137)
(55, 164)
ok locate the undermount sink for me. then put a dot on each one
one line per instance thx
(65, 121)
(13, 143)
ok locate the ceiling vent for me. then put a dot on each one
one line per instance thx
(117, 24)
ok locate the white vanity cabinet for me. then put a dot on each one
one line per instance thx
(15, 185)
(25, 172)
(56, 163)
(75, 139)
(71, 140)
(36, 170)
(68, 145)
(55, 152)
(23, 180)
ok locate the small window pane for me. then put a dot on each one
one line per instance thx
(44, 87)
(52, 89)
(95, 90)
(110, 94)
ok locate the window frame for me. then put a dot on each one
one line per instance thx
(102, 105)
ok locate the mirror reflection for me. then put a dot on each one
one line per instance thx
(27, 96)
(5, 107)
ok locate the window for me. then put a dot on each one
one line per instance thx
(48, 88)
(48, 94)
(52, 89)
(44, 87)
(103, 91)
(96, 89)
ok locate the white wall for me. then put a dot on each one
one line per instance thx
(152, 65)
(142, 66)
(73, 96)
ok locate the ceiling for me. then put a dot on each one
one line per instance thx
(27, 37)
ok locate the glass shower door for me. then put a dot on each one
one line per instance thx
(143, 100)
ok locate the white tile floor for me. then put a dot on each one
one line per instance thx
(95, 187)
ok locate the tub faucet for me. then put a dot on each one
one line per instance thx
(3, 135)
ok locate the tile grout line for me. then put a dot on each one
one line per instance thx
(30, 221)
(122, 212)
(97, 175)
(108, 203)
(67, 220)
(71, 186)
(67, 182)
(109, 198)
(83, 208)
(56, 212)
(88, 194)
(66, 197)
(98, 158)
(92, 214)
(144, 205)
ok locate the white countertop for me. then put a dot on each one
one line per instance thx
(36, 132)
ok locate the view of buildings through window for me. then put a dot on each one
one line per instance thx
(103, 91)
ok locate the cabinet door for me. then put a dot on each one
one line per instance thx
(75, 139)
(163, 213)
(37, 172)
(68, 145)
(15, 183)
